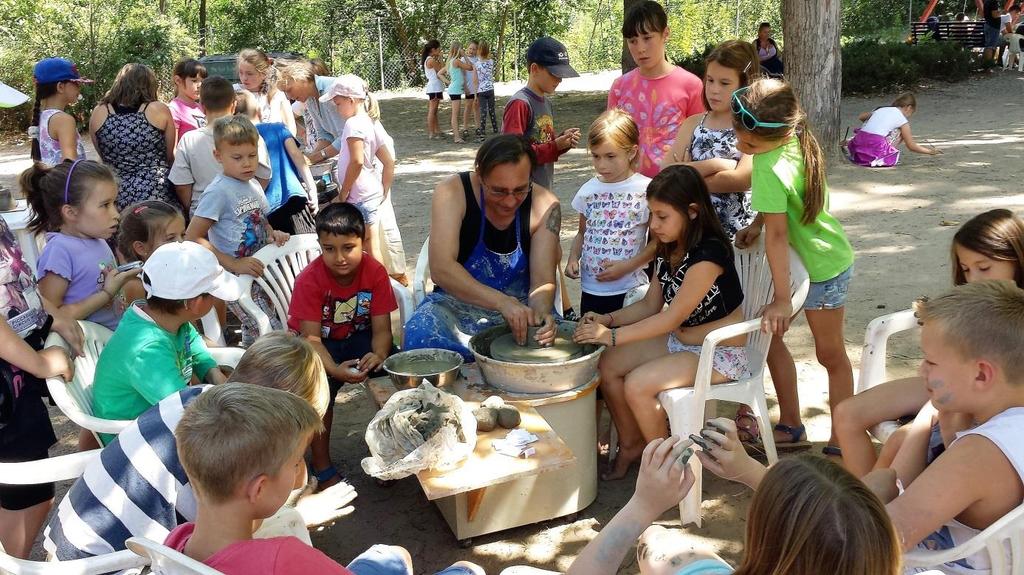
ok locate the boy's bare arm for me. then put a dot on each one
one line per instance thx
(972, 482)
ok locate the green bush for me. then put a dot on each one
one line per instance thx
(694, 62)
(873, 66)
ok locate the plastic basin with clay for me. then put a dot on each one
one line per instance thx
(534, 378)
(409, 368)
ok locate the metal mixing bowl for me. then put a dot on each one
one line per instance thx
(535, 378)
(409, 368)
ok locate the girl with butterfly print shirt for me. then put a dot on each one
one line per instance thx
(607, 252)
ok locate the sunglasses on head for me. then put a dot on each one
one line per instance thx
(749, 121)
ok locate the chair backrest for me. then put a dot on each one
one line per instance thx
(1003, 542)
(405, 308)
(282, 264)
(759, 290)
(75, 398)
(422, 275)
(166, 561)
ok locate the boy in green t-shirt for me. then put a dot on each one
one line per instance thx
(156, 350)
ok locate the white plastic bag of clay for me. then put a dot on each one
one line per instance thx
(417, 429)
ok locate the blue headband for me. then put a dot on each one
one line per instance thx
(67, 182)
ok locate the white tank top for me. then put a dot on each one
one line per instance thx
(434, 84)
(1004, 430)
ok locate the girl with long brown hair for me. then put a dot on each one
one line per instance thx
(651, 350)
(135, 135)
(707, 141)
(790, 194)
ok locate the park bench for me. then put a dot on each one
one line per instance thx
(970, 33)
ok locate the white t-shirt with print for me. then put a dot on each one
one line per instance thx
(367, 188)
(883, 121)
(617, 217)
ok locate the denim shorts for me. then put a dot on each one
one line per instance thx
(829, 294)
(369, 210)
(992, 36)
(381, 560)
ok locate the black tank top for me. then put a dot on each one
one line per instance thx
(499, 241)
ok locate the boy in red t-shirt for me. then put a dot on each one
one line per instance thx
(342, 303)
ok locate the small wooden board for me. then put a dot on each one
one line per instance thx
(486, 467)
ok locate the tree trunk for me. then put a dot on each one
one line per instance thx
(202, 27)
(500, 50)
(410, 54)
(814, 63)
(627, 60)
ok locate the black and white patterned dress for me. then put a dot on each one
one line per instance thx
(137, 152)
(733, 209)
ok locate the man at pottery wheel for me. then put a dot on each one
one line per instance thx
(493, 251)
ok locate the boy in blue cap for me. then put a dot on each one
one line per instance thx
(528, 112)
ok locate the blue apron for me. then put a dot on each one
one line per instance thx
(445, 322)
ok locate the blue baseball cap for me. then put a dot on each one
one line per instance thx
(551, 54)
(51, 70)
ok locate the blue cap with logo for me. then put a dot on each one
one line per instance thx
(551, 54)
(52, 70)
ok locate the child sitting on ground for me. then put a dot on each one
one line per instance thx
(156, 350)
(194, 165)
(970, 338)
(231, 217)
(342, 303)
(528, 112)
(145, 226)
(874, 145)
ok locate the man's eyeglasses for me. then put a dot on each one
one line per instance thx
(749, 121)
(518, 193)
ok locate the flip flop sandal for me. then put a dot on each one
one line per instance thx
(746, 427)
(797, 438)
(832, 451)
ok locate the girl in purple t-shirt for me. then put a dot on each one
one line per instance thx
(73, 203)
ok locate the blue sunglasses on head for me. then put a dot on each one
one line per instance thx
(749, 121)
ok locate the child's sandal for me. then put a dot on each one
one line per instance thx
(797, 438)
(326, 475)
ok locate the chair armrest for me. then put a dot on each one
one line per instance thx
(56, 386)
(876, 339)
(419, 283)
(108, 563)
(59, 468)
(1009, 526)
(707, 351)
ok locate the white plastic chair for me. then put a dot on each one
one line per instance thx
(167, 561)
(686, 406)
(60, 468)
(282, 264)
(1003, 541)
(872, 359)
(75, 398)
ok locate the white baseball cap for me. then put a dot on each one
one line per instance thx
(346, 85)
(184, 270)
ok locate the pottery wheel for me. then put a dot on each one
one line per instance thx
(505, 348)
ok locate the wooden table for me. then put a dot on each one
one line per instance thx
(491, 492)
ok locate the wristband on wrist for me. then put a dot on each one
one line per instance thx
(611, 320)
(613, 336)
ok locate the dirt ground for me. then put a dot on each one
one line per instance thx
(900, 222)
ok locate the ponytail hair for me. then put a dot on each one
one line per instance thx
(430, 46)
(264, 65)
(371, 104)
(141, 222)
(771, 100)
(43, 91)
(48, 189)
